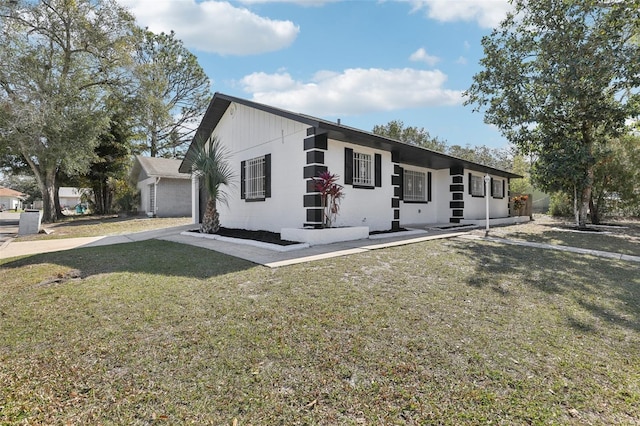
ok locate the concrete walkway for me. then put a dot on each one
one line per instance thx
(274, 259)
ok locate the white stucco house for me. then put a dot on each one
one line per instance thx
(387, 184)
(70, 196)
(164, 191)
(11, 199)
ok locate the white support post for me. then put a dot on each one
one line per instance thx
(487, 182)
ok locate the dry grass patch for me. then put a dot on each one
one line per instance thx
(445, 332)
(623, 237)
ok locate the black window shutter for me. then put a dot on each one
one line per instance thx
(242, 179)
(491, 183)
(503, 187)
(267, 176)
(378, 170)
(428, 186)
(401, 195)
(348, 166)
(470, 184)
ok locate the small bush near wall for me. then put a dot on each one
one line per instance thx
(560, 205)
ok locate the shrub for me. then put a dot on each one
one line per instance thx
(561, 205)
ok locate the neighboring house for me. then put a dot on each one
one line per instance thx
(11, 199)
(164, 191)
(70, 197)
(387, 184)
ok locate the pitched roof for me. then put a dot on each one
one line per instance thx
(406, 153)
(7, 192)
(158, 167)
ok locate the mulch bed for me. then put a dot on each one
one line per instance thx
(262, 236)
(271, 237)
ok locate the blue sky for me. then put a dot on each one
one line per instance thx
(365, 62)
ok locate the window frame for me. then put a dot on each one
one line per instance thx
(497, 184)
(411, 177)
(472, 187)
(255, 178)
(362, 161)
(351, 159)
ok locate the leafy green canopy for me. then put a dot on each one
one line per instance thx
(59, 61)
(396, 129)
(560, 76)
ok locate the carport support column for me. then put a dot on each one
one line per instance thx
(456, 189)
(195, 199)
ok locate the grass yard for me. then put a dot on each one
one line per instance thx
(623, 238)
(93, 226)
(443, 332)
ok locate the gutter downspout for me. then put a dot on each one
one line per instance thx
(155, 197)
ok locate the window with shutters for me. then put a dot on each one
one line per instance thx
(477, 186)
(362, 169)
(497, 188)
(414, 186)
(254, 172)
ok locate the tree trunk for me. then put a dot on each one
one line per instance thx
(56, 203)
(46, 180)
(49, 197)
(595, 213)
(586, 198)
(211, 220)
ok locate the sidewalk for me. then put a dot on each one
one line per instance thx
(12, 248)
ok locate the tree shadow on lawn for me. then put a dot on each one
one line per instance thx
(607, 289)
(147, 257)
(625, 240)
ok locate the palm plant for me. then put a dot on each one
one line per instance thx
(210, 164)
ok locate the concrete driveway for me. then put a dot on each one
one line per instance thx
(9, 223)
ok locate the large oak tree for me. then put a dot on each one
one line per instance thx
(59, 60)
(560, 77)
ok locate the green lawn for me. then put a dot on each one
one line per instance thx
(442, 332)
(93, 226)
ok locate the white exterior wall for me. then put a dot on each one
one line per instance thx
(10, 203)
(249, 133)
(173, 197)
(143, 187)
(441, 188)
(475, 207)
(419, 212)
(360, 206)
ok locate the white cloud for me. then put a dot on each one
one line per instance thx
(299, 2)
(353, 91)
(487, 13)
(421, 55)
(461, 60)
(214, 26)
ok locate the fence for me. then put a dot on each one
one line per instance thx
(521, 205)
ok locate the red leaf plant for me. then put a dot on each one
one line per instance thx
(330, 194)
